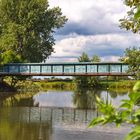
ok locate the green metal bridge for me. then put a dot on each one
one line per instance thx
(65, 69)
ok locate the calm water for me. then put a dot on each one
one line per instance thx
(56, 115)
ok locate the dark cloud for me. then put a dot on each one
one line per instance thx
(93, 27)
(94, 21)
(88, 29)
(106, 52)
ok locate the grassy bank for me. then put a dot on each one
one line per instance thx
(35, 86)
(122, 85)
(56, 85)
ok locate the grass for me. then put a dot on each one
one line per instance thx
(117, 86)
(28, 86)
(57, 85)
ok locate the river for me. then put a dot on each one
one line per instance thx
(57, 115)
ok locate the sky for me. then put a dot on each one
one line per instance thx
(92, 27)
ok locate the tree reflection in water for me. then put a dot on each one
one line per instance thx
(85, 99)
(18, 99)
(37, 123)
(115, 94)
(24, 131)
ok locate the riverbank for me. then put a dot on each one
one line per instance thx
(71, 85)
(122, 85)
(59, 85)
(43, 85)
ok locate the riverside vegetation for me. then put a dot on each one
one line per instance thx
(128, 112)
(69, 84)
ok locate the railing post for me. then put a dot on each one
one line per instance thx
(97, 68)
(63, 69)
(51, 68)
(40, 69)
(29, 69)
(18, 68)
(121, 68)
(74, 69)
(108, 68)
(86, 68)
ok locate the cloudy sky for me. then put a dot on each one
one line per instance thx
(92, 27)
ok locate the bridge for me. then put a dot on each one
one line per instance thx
(65, 69)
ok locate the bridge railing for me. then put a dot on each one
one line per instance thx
(47, 69)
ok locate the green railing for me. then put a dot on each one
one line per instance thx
(65, 69)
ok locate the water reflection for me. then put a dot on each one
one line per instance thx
(80, 98)
(24, 123)
(84, 99)
(54, 99)
(31, 123)
(17, 99)
(36, 123)
(59, 115)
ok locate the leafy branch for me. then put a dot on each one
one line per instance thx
(128, 112)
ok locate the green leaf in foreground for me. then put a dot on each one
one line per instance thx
(134, 134)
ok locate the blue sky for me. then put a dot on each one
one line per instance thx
(92, 27)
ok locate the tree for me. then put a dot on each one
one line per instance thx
(132, 20)
(27, 27)
(83, 98)
(87, 81)
(10, 57)
(94, 80)
(132, 58)
(96, 58)
(81, 80)
(84, 58)
(129, 111)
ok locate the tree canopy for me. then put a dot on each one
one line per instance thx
(132, 20)
(132, 57)
(84, 58)
(26, 29)
(95, 58)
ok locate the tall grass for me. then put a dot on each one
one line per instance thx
(60, 85)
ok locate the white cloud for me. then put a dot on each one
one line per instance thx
(91, 16)
(93, 27)
(107, 46)
(76, 10)
(110, 58)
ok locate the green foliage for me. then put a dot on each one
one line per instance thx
(132, 20)
(126, 113)
(57, 85)
(132, 58)
(84, 58)
(26, 31)
(122, 85)
(10, 57)
(136, 87)
(134, 134)
(95, 58)
(27, 28)
(109, 114)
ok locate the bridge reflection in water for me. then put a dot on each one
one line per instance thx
(65, 69)
(38, 123)
(33, 123)
(44, 114)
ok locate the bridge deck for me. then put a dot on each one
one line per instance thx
(65, 69)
